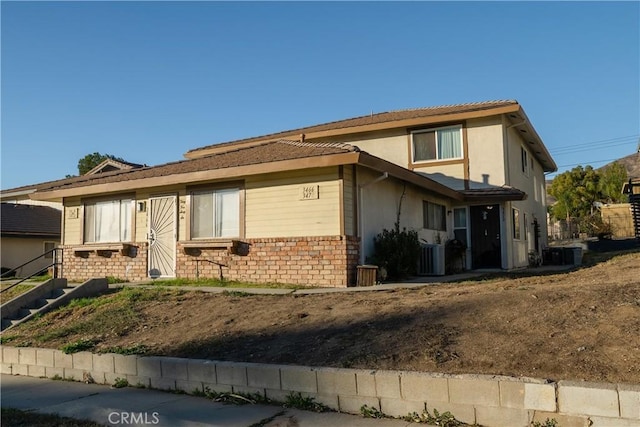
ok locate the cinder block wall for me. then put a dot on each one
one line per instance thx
(491, 401)
(320, 261)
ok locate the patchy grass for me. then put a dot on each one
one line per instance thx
(41, 278)
(15, 418)
(580, 324)
(85, 322)
(14, 292)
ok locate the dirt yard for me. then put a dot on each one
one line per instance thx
(583, 324)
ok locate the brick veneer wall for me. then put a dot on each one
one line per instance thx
(491, 401)
(320, 261)
(129, 264)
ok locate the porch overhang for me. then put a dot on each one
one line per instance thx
(493, 195)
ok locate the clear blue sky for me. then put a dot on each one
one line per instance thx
(148, 81)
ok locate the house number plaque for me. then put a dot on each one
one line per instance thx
(309, 192)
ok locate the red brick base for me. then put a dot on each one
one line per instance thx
(130, 264)
(315, 261)
(319, 261)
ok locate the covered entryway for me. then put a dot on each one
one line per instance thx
(485, 237)
(162, 237)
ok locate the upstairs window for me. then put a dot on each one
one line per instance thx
(108, 221)
(437, 144)
(215, 213)
(525, 160)
(434, 216)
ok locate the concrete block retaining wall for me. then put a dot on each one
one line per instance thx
(492, 401)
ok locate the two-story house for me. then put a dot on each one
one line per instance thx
(303, 206)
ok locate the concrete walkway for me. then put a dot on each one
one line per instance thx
(415, 282)
(138, 407)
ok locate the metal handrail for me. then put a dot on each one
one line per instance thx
(56, 264)
(220, 265)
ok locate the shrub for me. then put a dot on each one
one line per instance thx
(397, 252)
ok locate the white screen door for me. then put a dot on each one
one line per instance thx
(162, 237)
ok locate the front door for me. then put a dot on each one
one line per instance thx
(162, 237)
(485, 237)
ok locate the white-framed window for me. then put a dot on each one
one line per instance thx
(525, 228)
(516, 223)
(215, 213)
(437, 144)
(460, 224)
(434, 216)
(108, 221)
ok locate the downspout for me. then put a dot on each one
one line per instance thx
(360, 209)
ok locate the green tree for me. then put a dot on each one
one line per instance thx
(92, 160)
(575, 191)
(611, 180)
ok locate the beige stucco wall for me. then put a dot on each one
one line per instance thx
(486, 152)
(450, 175)
(15, 251)
(534, 206)
(391, 145)
(380, 202)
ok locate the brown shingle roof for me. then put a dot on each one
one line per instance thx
(29, 220)
(390, 116)
(263, 153)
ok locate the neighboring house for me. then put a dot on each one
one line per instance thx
(303, 206)
(632, 189)
(20, 195)
(27, 232)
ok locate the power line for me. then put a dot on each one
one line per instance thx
(582, 164)
(578, 150)
(591, 145)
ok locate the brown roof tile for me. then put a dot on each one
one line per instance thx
(29, 220)
(263, 153)
(494, 193)
(389, 116)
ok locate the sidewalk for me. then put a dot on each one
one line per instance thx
(138, 407)
(416, 282)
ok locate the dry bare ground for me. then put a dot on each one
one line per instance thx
(583, 324)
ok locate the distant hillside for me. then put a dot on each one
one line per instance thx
(631, 163)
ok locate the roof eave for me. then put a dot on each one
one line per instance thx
(426, 120)
(495, 198)
(360, 158)
(381, 165)
(200, 176)
(544, 157)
